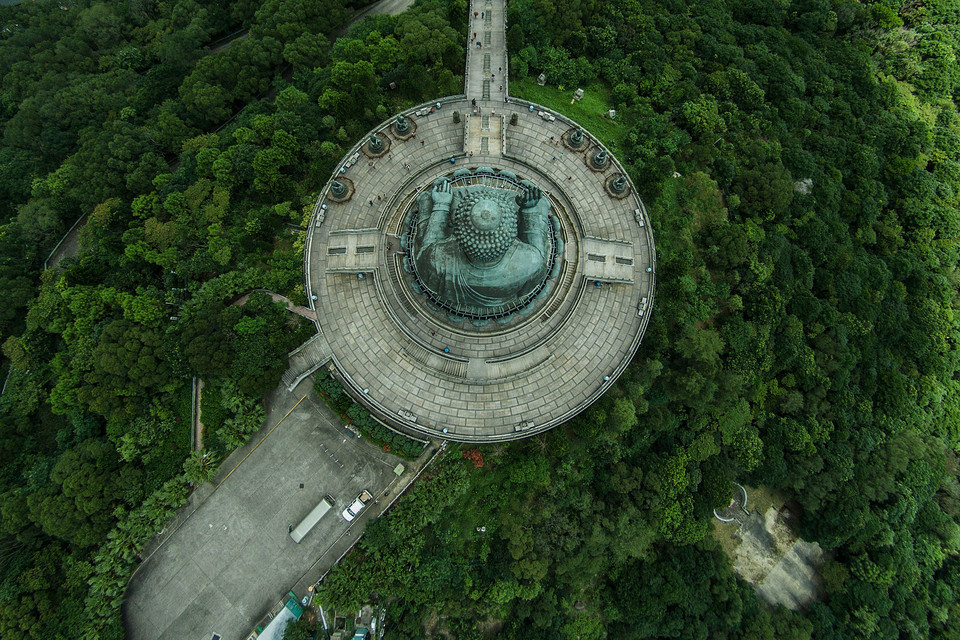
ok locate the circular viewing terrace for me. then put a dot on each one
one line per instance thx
(468, 371)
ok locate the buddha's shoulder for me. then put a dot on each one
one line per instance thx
(524, 257)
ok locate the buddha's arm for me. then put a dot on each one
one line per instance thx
(440, 200)
(534, 220)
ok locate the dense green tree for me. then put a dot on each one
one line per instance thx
(298, 630)
(85, 485)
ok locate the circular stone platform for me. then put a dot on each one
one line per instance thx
(429, 368)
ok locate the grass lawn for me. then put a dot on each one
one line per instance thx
(590, 111)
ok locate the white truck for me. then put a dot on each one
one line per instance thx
(312, 519)
(351, 512)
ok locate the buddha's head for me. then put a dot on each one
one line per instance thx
(484, 230)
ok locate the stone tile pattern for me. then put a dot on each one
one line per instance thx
(378, 341)
(491, 32)
(306, 359)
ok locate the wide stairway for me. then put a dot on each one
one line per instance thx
(306, 359)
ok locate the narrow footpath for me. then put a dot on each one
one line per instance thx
(309, 314)
(197, 421)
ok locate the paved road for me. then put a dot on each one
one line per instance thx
(68, 246)
(223, 46)
(232, 558)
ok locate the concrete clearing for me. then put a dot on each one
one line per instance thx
(223, 563)
(783, 568)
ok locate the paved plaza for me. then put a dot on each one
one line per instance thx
(430, 375)
(232, 558)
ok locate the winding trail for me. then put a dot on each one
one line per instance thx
(197, 421)
(304, 312)
(309, 314)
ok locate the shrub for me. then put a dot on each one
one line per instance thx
(337, 399)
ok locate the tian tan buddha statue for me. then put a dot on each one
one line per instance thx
(479, 249)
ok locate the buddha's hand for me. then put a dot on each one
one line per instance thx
(441, 194)
(529, 197)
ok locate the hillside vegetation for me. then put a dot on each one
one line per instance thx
(804, 337)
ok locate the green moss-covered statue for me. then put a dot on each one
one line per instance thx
(480, 250)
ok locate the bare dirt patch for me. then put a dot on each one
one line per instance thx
(767, 553)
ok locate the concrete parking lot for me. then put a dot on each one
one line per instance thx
(230, 559)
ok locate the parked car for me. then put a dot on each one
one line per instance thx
(351, 512)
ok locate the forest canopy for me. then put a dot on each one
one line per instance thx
(800, 161)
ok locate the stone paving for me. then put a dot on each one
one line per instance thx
(486, 64)
(414, 368)
(305, 312)
(493, 384)
(306, 359)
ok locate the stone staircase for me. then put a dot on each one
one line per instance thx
(305, 359)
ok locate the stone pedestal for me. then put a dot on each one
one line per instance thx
(378, 153)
